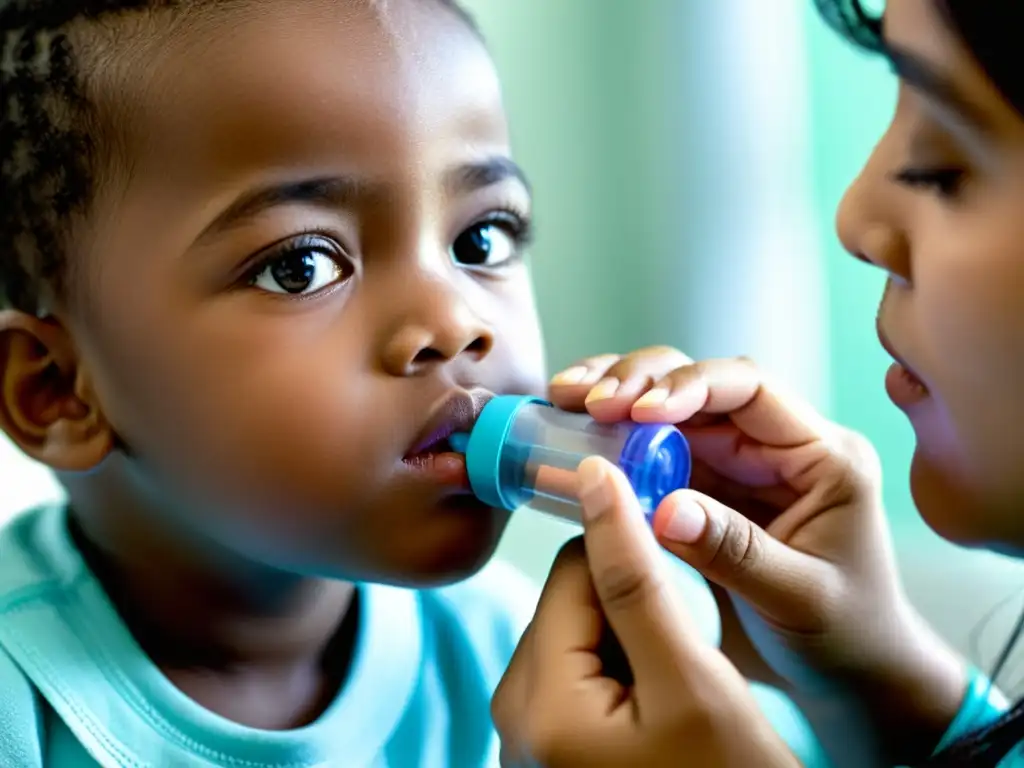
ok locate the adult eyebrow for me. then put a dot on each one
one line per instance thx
(329, 192)
(474, 176)
(929, 79)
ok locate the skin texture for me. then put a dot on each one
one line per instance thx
(266, 431)
(954, 253)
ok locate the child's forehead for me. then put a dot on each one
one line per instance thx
(405, 45)
(367, 81)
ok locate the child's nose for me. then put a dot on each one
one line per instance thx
(442, 328)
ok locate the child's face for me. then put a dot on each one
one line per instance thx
(316, 248)
(940, 206)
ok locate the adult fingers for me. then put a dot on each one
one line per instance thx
(568, 627)
(608, 385)
(568, 389)
(559, 665)
(730, 550)
(733, 387)
(627, 567)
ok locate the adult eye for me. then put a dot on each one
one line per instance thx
(945, 182)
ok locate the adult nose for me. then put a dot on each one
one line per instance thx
(869, 222)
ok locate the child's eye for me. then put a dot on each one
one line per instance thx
(945, 182)
(305, 268)
(491, 243)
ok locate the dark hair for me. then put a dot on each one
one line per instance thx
(52, 136)
(991, 33)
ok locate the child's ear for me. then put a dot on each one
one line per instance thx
(47, 406)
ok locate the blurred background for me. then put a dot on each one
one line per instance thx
(687, 159)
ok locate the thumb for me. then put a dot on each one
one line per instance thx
(735, 553)
(628, 572)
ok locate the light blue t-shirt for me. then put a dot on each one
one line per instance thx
(76, 690)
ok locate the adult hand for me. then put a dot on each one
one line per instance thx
(786, 516)
(611, 671)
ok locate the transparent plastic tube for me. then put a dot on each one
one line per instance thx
(524, 452)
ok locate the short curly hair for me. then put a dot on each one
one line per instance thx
(55, 140)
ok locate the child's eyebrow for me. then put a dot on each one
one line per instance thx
(485, 173)
(334, 192)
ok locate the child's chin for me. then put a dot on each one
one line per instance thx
(452, 551)
(448, 545)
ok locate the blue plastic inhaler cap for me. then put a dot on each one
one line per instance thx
(484, 446)
(656, 460)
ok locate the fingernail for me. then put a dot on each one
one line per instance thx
(571, 375)
(687, 522)
(595, 493)
(653, 399)
(603, 390)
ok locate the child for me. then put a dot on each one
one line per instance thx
(258, 260)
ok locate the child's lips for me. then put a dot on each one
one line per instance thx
(431, 458)
(457, 412)
(445, 468)
(437, 443)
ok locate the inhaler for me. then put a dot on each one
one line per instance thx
(524, 452)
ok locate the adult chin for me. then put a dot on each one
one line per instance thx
(944, 503)
(959, 512)
(940, 482)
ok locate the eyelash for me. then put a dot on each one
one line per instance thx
(308, 240)
(944, 182)
(516, 224)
